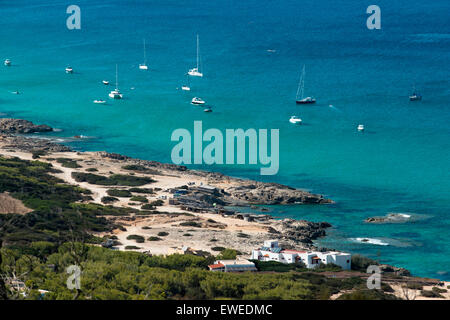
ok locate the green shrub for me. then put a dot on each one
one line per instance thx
(187, 235)
(113, 180)
(218, 248)
(91, 170)
(157, 203)
(148, 206)
(361, 263)
(68, 163)
(430, 294)
(141, 190)
(163, 234)
(131, 248)
(153, 238)
(139, 199)
(243, 235)
(191, 224)
(137, 238)
(118, 193)
(109, 199)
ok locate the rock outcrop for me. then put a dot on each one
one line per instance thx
(8, 125)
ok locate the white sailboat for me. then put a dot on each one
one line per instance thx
(144, 65)
(195, 72)
(69, 69)
(115, 94)
(361, 127)
(300, 99)
(7, 62)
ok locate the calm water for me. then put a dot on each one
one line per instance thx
(400, 164)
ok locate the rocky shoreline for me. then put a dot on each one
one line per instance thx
(230, 191)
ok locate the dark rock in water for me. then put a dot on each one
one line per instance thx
(8, 125)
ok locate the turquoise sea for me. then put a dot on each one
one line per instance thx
(252, 53)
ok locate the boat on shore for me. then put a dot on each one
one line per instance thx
(195, 72)
(299, 98)
(115, 94)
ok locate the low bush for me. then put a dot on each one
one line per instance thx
(119, 193)
(113, 180)
(153, 238)
(139, 199)
(107, 199)
(163, 234)
(137, 238)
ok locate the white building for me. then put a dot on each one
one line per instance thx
(232, 266)
(272, 252)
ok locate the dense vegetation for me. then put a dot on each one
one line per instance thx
(112, 180)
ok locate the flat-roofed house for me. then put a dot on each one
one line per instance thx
(232, 266)
(272, 252)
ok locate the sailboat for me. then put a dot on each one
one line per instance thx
(69, 69)
(299, 99)
(195, 72)
(415, 96)
(7, 62)
(144, 65)
(186, 87)
(115, 94)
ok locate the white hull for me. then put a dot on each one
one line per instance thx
(7, 62)
(99, 101)
(198, 101)
(105, 82)
(115, 95)
(360, 127)
(195, 73)
(295, 120)
(185, 88)
(143, 67)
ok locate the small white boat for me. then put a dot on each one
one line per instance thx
(7, 62)
(115, 94)
(360, 127)
(195, 72)
(69, 69)
(144, 66)
(186, 87)
(197, 101)
(207, 109)
(100, 101)
(295, 120)
(105, 82)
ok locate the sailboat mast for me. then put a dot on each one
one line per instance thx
(198, 52)
(301, 84)
(145, 55)
(117, 81)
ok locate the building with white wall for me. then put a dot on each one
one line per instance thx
(232, 266)
(272, 252)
